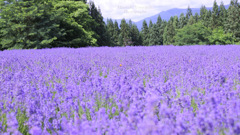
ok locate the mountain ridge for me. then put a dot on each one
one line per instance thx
(165, 15)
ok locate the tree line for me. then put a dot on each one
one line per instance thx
(219, 26)
(26, 24)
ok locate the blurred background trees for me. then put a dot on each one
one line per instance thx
(26, 24)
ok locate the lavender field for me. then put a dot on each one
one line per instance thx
(120, 91)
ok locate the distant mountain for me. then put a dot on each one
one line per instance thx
(166, 15)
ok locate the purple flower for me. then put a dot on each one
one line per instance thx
(35, 130)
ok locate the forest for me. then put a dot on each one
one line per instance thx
(36, 24)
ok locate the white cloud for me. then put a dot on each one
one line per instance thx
(140, 9)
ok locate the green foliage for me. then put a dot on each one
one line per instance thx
(192, 35)
(191, 20)
(153, 34)
(160, 26)
(205, 16)
(182, 21)
(194, 105)
(145, 33)
(215, 16)
(110, 32)
(41, 24)
(150, 25)
(125, 38)
(222, 15)
(196, 17)
(98, 26)
(157, 30)
(22, 119)
(76, 23)
(28, 24)
(25, 24)
(218, 37)
(189, 13)
(135, 35)
(233, 19)
(116, 33)
(169, 32)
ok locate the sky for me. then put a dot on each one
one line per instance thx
(137, 10)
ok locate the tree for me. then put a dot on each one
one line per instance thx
(233, 19)
(169, 32)
(192, 35)
(41, 24)
(222, 15)
(150, 24)
(191, 21)
(154, 34)
(130, 24)
(31, 27)
(77, 25)
(145, 33)
(160, 25)
(196, 17)
(99, 26)
(125, 33)
(189, 13)
(135, 35)
(175, 22)
(218, 37)
(182, 21)
(150, 32)
(215, 16)
(207, 21)
(204, 16)
(110, 32)
(116, 33)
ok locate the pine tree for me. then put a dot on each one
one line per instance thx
(222, 15)
(145, 33)
(188, 14)
(215, 16)
(182, 21)
(154, 35)
(196, 17)
(135, 35)
(116, 34)
(191, 20)
(169, 33)
(160, 27)
(150, 30)
(130, 23)
(175, 22)
(110, 32)
(233, 19)
(150, 24)
(159, 21)
(99, 27)
(204, 16)
(208, 19)
(125, 33)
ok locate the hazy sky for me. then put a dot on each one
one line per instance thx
(140, 9)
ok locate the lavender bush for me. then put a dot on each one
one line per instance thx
(132, 90)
